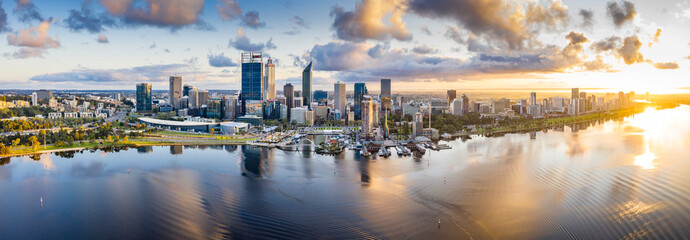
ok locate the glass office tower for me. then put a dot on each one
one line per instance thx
(360, 91)
(144, 98)
(252, 78)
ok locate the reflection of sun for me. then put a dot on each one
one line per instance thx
(646, 160)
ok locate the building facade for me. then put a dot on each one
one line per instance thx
(307, 86)
(252, 78)
(269, 80)
(175, 93)
(144, 97)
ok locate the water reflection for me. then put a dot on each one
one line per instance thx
(623, 178)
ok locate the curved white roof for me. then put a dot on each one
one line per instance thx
(175, 123)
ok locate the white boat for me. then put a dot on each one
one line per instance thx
(365, 152)
(420, 148)
(383, 152)
(399, 151)
(406, 151)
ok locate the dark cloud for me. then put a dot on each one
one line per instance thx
(171, 14)
(423, 49)
(630, 51)
(366, 21)
(84, 19)
(26, 11)
(495, 19)
(453, 33)
(242, 43)
(251, 20)
(119, 77)
(3, 20)
(621, 13)
(102, 39)
(299, 22)
(666, 65)
(587, 17)
(228, 9)
(607, 44)
(572, 53)
(220, 60)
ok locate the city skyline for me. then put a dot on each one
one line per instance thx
(550, 44)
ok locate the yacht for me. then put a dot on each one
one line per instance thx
(420, 148)
(399, 151)
(383, 152)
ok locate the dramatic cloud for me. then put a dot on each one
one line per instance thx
(84, 19)
(597, 64)
(572, 53)
(621, 13)
(34, 37)
(102, 39)
(496, 19)
(366, 21)
(452, 33)
(607, 44)
(423, 49)
(26, 11)
(299, 22)
(666, 65)
(120, 77)
(228, 9)
(173, 14)
(3, 20)
(251, 20)
(242, 43)
(587, 17)
(630, 50)
(220, 60)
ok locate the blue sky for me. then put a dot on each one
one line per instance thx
(420, 44)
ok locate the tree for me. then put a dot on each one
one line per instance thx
(35, 144)
(126, 139)
(4, 150)
(16, 141)
(211, 131)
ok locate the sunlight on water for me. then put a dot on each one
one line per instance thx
(648, 122)
(646, 160)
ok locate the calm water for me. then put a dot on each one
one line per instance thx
(609, 180)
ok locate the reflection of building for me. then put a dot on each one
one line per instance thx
(146, 149)
(144, 98)
(176, 149)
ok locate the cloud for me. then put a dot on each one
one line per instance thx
(251, 20)
(655, 38)
(607, 44)
(228, 9)
(242, 43)
(666, 65)
(26, 52)
(220, 60)
(102, 39)
(423, 49)
(425, 29)
(3, 20)
(120, 77)
(587, 17)
(84, 19)
(366, 21)
(34, 37)
(496, 20)
(630, 50)
(26, 11)
(452, 33)
(573, 51)
(621, 13)
(299, 22)
(597, 64)
(153, 45)
(172, 14)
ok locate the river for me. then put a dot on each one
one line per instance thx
(625, 178)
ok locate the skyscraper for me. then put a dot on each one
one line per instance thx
(44, 94)
(289, 93)
(270, 80)
(306, 86)
(533, 98)
(193, 98)
(321, 97)
(144, 97)
(452, 94)
(340, 100)
(574, 93)
(203, 97)
(367, 114)
(252, 78)
(360, 91)
(385, 95)
(185, 89)
(175, 92)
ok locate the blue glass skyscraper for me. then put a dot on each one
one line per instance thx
(252, 78)
(306, 86)
(360, 91)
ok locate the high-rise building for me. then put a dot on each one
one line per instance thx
(252, 78)
(321, 97)
(307, 86)
(574, 93)
(175, 92)
(230, 107)
(193, 98)
(452, 94)
(269, 80)
(214, 109)
(34, 99)
(44, 94)
(533, 98)
(289, 93)
(203, 98)
(144, 97)
(360, 91)
(385, 95)
(465, 106)
(339, 98)
(456, 107)
(367, 114)
(418, 124)
(185, 89)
